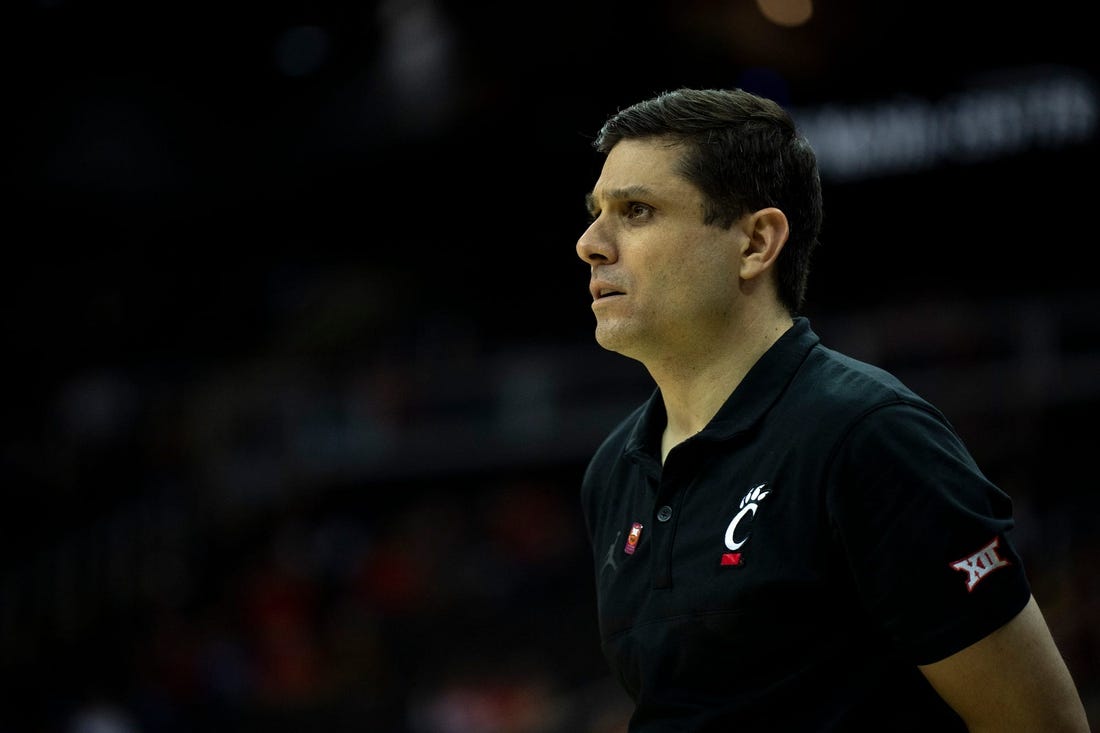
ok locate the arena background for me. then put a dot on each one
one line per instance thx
(300, 378)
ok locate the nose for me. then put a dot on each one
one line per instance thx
(594, 247)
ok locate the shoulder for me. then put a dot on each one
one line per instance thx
(604, 476)
(627, 433)
(843, 381)
(837, 389)
(868, 411)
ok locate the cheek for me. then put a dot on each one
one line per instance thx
(699, 274)
(705, 287)
(670, 282)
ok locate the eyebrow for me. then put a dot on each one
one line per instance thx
(628, 192)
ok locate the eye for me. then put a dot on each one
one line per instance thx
(637, 210)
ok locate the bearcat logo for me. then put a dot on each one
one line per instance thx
(737, 533)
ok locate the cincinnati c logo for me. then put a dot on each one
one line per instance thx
(749, 505)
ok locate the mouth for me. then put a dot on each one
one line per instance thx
(602, 290)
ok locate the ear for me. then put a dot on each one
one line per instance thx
(766, 232)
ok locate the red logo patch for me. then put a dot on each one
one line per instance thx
(731, 558)
(632, 538)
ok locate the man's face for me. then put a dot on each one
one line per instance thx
(664, 283)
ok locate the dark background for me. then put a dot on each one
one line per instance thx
(300, 378)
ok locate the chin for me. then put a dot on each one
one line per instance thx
(615, 338)
(606, 338)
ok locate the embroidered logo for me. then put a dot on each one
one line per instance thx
(609, 559)
(736, 536)
(981, 563)
(632, 538)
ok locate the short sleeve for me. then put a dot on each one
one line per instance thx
(925, 535)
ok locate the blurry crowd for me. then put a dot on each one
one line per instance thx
(448, 607)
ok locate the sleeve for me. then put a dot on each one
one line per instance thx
(924, 533)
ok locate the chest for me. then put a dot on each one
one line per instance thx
(736, 532)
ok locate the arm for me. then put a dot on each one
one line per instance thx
(1012, 680)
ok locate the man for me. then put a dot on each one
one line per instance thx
(785, 539)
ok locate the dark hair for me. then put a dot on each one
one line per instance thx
(744, 153)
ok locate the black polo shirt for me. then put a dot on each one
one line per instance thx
(792, 563)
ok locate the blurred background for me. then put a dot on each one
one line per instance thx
(300, 377)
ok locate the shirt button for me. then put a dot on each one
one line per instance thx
(664, 513)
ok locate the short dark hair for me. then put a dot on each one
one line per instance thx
(744, 153)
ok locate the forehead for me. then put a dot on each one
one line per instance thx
(650, 165)
(639, 163)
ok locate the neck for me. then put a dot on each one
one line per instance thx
(695, 385)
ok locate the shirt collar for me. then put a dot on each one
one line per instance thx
(749, 402)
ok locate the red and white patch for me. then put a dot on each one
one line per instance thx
(979, 565)
(632, 538)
